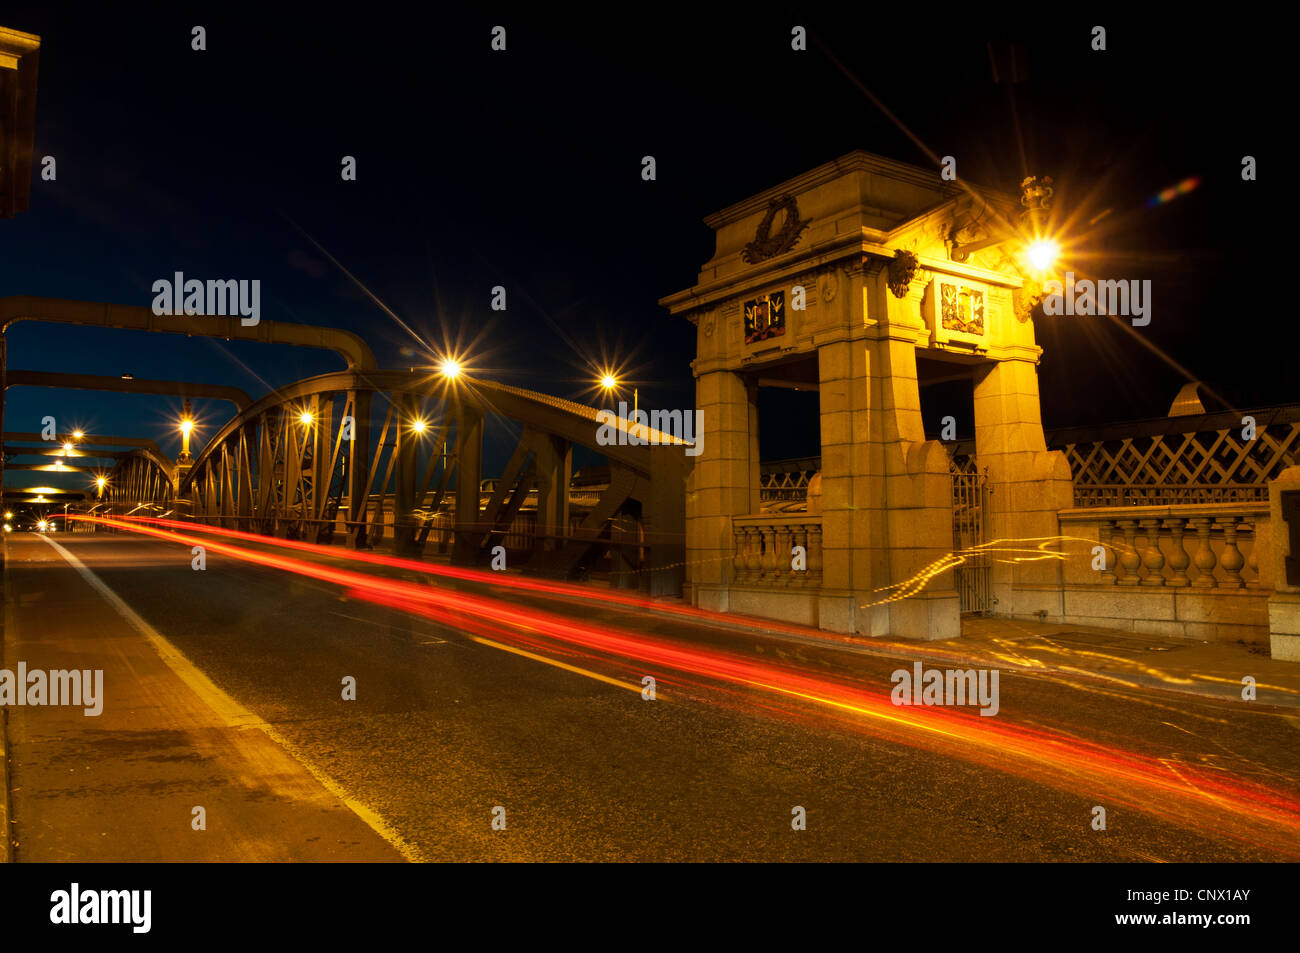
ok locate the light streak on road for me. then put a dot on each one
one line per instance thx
(1185, 794)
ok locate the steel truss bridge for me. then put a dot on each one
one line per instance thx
(367, 457)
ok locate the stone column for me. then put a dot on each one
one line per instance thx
(723, 483)
(1028, 484)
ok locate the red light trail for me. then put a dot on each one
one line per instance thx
(1177, 792)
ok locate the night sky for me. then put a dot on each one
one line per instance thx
(522, 169)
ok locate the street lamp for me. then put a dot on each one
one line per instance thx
(418, 426)
(450, 368)
(1042, 254)
(306, 418)
(77, 435)
(187, 425)
(610, 383)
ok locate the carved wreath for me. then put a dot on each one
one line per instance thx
(766, 245)
(901, 270)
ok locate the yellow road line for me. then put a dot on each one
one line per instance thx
(564, 665)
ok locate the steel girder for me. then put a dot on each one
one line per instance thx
(300, 462)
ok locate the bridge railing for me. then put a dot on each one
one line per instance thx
(1192, 570)
(766, 554)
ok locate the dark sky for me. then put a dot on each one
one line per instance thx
(523, 169)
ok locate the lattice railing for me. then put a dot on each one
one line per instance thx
(787, 479)
(1206, 459)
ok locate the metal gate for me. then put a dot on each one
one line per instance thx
(969, 517)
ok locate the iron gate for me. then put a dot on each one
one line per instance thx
(969, 517)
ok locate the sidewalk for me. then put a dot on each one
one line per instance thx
(1213, 669)
(123, 785)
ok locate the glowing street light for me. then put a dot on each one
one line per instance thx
(67, 447)
(42, 526)
(77, 435)
(306, 418)
(8, 528)
(450, 368)
(9, 514)
(609, 383)
(418, 426)
(186, 427)
(1042, 254)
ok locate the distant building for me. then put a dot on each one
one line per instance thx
(19, 58)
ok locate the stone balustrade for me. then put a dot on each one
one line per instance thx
(1209, 546)
(765, 551)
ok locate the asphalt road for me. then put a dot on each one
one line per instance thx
(444, 729)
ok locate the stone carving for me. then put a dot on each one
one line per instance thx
(708, 323)
(766, 245)
(902, 269)
(963, 309)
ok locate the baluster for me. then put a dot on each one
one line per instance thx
(815, 554)
(1106, 535)
(1178, 558)
(1153, 558)
(754, 553)
(1252, 561)
(738, 561)
(1231, 561)
(799, 537)
(784, 574)
(1129, 558)
(771, 560)
(1204, 559)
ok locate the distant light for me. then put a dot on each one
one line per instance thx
(42, 526)
(9, 514)
(418, 426)
(77, 434)
(100, 481)
(67, 448)
(8, 528)
(306, 418)
(186, 426)
(609, 382)
(1042, 254)
(450, 369)
(128, 377)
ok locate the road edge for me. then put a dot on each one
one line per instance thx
(230, 710)
(6, 813)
